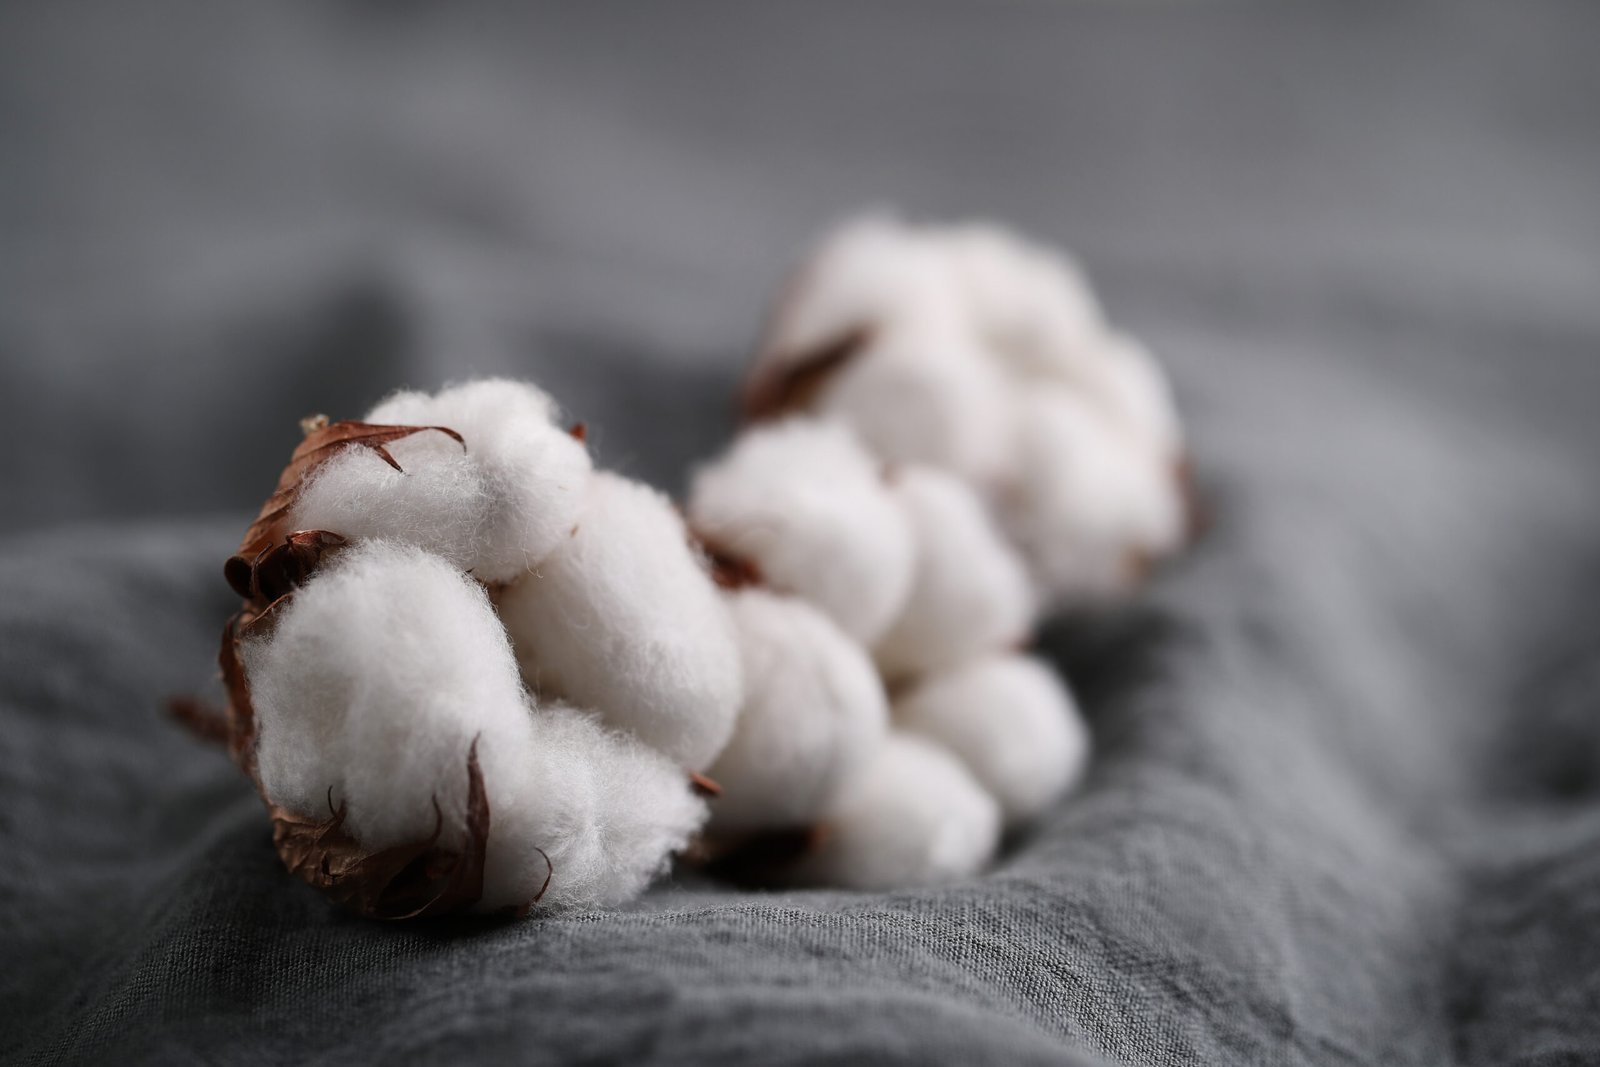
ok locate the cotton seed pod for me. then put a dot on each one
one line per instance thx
(424, 491)
(912, 816)
(1089, 509)
(1032, 307)
(858, 278)
(814, 713)
(1011, 721)
(382, 674)
(922, 391)
(529, 480)
(624, 619)
(804, 504)
(970, 593)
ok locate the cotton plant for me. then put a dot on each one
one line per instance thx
(474, 671)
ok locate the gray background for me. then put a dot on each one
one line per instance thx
(1347, 805)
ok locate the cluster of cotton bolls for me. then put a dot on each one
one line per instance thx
(827, 636)
(497, 594)
(969, 349)
(886, 707)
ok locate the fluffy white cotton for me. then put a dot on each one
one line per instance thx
(439, 499)
(970, 593)
(803, 502)
(623, 618)
(372, 688)
(921, 391)
(1012, 722)
(910, 817)
(496, 507)
(1032, 306)
(1089, 509)
(814, 714)
(861, 275)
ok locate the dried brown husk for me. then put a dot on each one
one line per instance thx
(793, 382)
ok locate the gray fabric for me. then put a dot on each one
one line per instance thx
(1345, 806)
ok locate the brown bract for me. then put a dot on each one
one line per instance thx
(792, 383)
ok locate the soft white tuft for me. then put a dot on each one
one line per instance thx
(922, 391)
(814, 713)
(1089, 508)
(910, 817)
(970, 594)
(532, 473)
(623, 618)
(1012, 722)
(803, 502)
(439, 499)
(372, 688)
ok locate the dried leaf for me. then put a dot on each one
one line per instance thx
(410, 881)
(728, 570)
(322, 442)
(792, 383)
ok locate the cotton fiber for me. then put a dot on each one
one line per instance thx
(970, 593)
(526, 475)
(1088, 511)
(370, 691)
(814, 714)
(624, 619)
(807, 506)
(921, 390)
(1011, 721)
(913, 816)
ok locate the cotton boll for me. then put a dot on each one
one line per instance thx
(533, 473)
(814, 713)
(970, 594)
(1137, 389)
(623, 618)
(438, 499)
(373, 686)
(374, 681)
(804, 503)
(922, 391)
(912, 816)
(1089, 508)
(1032, 306)
(606, 811)
(861, 275)
(1011, 721)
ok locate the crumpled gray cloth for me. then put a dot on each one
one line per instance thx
(1346, 801)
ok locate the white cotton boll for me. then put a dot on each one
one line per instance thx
(439, 499)
(374, 681)
(860, 275)
(814, 713)
(1137, 389)
(1032, 306)
(623, 618)
(922, 391)
(971, 592)
(533, 472)
(1089, 508)
(805, 503)
(912, 816)
(605, 809)
(372, 688)
(1012, 722)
